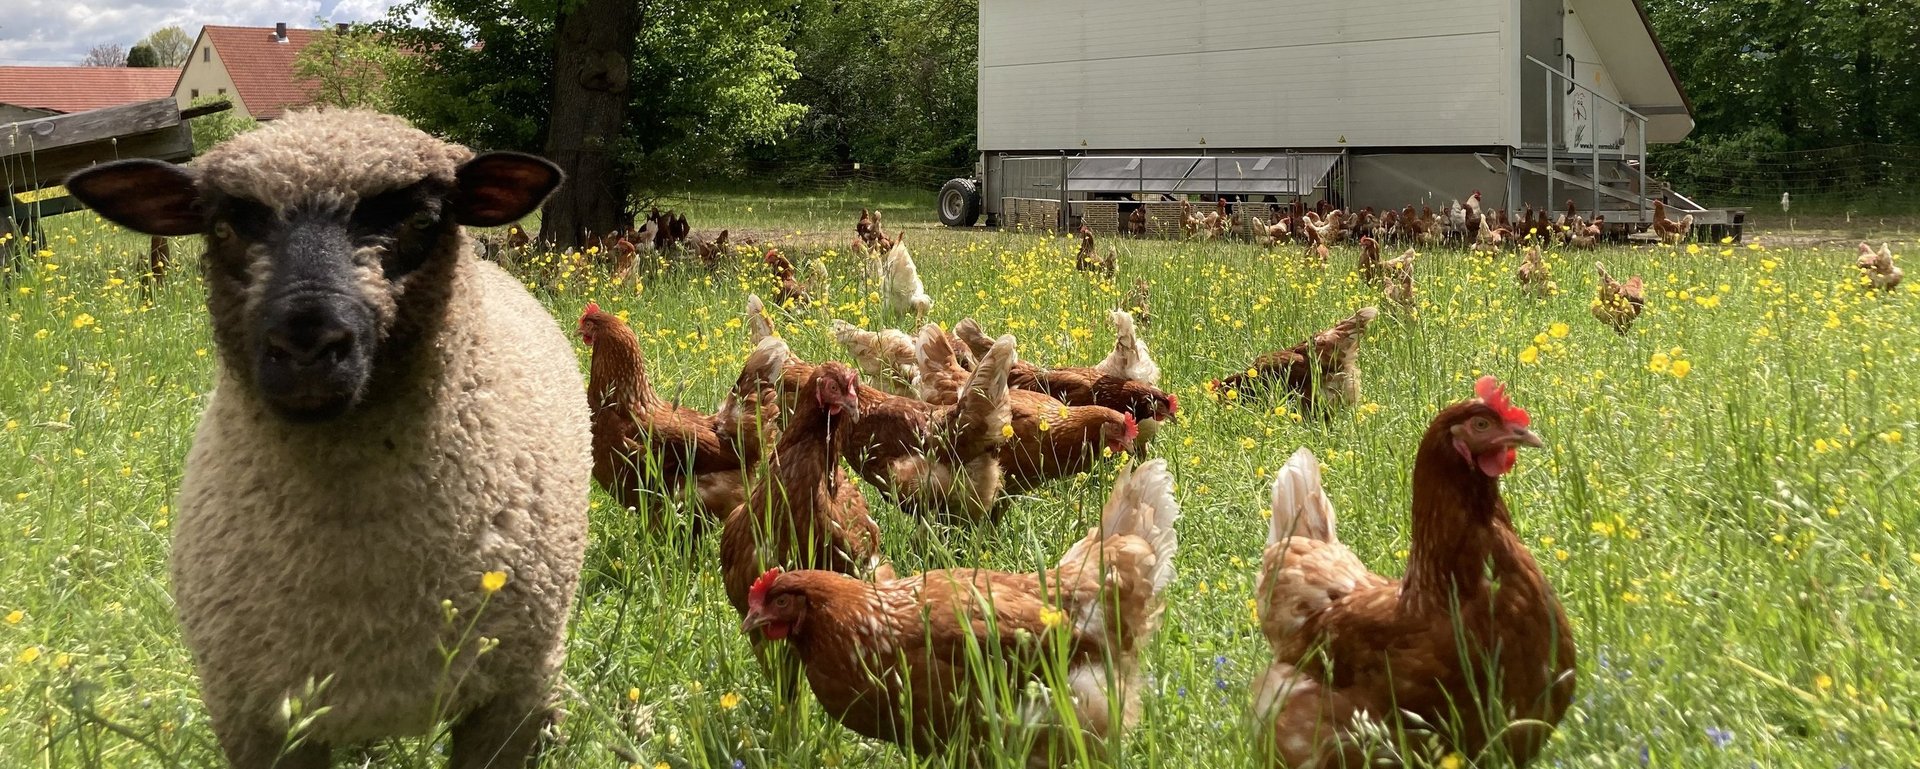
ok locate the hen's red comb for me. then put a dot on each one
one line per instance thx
(1494, 394)
(1173, 403)
(757, 595)
(592, 308)
(1133, 428)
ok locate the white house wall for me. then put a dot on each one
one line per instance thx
(1191, 74)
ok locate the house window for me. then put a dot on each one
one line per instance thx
(223, 92)
(193, 93)
(206, 54)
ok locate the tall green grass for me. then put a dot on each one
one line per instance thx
(1735, 546)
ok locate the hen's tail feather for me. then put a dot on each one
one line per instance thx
(885, 354)
(759, 325)
(969, 332)
(931, 349)
(764, 365)
(1129, 359)
(1299, 502)
(1142, 505)
(983, 408)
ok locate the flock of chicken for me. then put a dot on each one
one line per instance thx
(948, 424)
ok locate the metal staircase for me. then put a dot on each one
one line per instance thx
(1611, 176)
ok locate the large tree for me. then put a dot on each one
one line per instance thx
(592, 76)
(105, 55)
(170, 44)
(887, 83)
(1772, 76)
(142, 55)
(701, 80)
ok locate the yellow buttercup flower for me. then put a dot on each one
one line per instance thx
(492, 581)
(14, 617)
(1530, 355)
(1558, 330)
(729, 701)
(1681, 367)
(1051, 617)
(1006, 431)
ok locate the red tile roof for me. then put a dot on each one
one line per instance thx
(78, 89)
(262, 67)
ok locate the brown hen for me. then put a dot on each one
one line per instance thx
(1322, 371)
(902, 660)
(1472, 642)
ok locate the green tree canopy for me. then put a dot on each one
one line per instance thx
(170, 44)
(706, 79)
(141, 55)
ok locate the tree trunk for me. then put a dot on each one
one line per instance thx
(591, 64)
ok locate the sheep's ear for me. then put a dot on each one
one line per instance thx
(149, 196)
(500, 187)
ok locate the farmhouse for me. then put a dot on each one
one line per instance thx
(250, 66)
(1369, 103)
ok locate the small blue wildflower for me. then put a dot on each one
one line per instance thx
(1220, 683)
(1720, 737)
(1220, 661)
(1182, 691)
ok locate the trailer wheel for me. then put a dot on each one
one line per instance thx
(960, 203)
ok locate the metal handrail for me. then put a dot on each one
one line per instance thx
(1588, 89)
(1640, 135)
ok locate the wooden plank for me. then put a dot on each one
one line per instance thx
(50, 168)
(40, 136)
(65, 204)
(204, 110)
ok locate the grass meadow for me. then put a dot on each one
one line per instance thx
(1726, 504)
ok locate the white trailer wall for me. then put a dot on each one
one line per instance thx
(1188, 74)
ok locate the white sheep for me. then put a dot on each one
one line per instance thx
(393, 419)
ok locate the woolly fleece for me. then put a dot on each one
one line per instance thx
(326, 157)
(323, 551)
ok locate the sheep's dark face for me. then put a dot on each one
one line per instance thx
(322, 286)
(312, 302)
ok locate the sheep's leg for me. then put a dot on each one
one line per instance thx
(259, 747)
(501, 734)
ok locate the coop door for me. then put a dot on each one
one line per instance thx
(1589, 118)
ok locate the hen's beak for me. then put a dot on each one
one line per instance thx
(754, 621)
(1524, 437)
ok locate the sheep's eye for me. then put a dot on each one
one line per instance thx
(222, 230)
(422, 220)
(1480, 424)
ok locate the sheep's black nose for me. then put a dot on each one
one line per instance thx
(307, 336)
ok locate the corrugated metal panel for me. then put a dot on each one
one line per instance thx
(1288, 175)
(1137, 75)
(1128, 174)
(1281, 175)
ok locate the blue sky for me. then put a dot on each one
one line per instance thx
(56, 32)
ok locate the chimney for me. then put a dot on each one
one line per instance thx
(280, 32)
(340, 28)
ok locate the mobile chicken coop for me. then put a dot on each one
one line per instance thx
(1089, 109)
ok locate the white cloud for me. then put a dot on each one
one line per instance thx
(54, 32)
